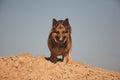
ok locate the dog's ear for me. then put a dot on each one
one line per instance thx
(66, 22)
(54, 22)
(67, 25)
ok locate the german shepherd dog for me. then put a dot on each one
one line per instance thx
(59, 40)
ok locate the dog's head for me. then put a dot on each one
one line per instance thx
(61, 31)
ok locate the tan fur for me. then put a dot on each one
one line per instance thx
(59, 40)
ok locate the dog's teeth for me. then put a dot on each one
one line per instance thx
(60, 39)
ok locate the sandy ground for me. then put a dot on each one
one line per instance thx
(28, 67)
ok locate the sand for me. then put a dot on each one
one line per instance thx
(28, 67)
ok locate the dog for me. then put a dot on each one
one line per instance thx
(59, 40)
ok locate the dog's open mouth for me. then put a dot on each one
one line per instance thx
(61, 44)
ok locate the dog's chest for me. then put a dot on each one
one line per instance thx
(59, 51)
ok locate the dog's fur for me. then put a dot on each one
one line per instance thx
(59, 40)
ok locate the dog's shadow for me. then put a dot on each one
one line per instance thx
(58, 59)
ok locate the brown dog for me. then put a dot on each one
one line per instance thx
(59, 40)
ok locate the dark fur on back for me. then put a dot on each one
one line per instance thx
(59, 40)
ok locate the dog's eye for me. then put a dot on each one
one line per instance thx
(57, 32)
(64, 32)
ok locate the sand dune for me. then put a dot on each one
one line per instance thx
(28, 67)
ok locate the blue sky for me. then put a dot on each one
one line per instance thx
(25, 25)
